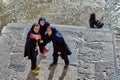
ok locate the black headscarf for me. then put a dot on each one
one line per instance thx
(31, 31)
(41, 19)
(30, 44)
(92, 20)
(44, 27)
(59, 43)
(54, 30)
(32, 28)
(92, 17)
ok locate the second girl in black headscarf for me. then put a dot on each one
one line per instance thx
(43, 27)
(59, 46)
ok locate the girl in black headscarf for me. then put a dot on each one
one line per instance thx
(43, 27)
(59, 46)
(31, 46)
(94, 23)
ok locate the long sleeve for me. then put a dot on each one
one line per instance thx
(32, 36)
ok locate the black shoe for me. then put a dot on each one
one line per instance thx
(52, 64)
(66, 66)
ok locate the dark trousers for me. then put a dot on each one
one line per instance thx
(63, 56)
(42, 45)
(33, 60)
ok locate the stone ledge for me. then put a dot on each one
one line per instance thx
(89, 48)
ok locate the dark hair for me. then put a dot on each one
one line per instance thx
(41, 19)
(35, 24)
(54, 30)
(92, 17)
(47, 24)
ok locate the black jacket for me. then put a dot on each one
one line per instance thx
(59, 43)
(30, 49)
(30, 45)
(96, 23)
(43, 28)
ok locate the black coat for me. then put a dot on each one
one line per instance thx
(30, 45)
(43, 28)
(30, 49)
(96, 23)
(59, 43)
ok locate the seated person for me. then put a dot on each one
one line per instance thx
(94, 23)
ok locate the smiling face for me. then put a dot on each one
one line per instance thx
(42, 23)
(36, 29)
(49, 31)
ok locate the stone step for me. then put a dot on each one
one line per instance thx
(54, 73)
(92, 53)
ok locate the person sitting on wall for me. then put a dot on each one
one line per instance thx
(94, 23)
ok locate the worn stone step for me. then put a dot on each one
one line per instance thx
(92, 53)
(54, 73)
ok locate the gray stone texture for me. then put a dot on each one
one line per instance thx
(113, 14)
(67, 12)
(112, 21)
(92, 54)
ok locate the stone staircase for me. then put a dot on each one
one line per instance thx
(92, 54)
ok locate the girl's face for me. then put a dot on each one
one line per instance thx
(42, 23)
(49, 31)
(36, 29)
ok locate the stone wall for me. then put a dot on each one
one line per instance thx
(113, 22)
(113, 14)
(92, 54)
(68, 12)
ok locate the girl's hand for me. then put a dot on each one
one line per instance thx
(41, 41)
(101, 19)
(43, 55)
(36, 48)
(37, 37)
